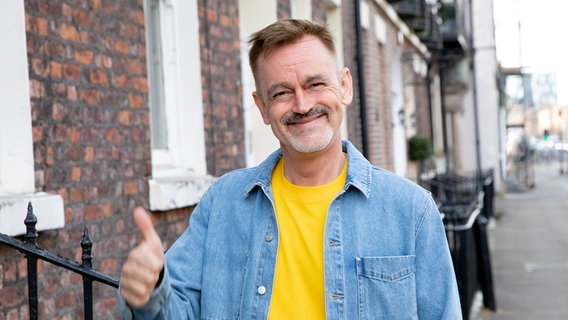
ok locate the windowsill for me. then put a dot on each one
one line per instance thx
(177, 192)
(48, 208)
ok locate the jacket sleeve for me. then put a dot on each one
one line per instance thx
(436, 285)
(154, 309)
(178, 294)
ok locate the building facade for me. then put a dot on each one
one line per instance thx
(109, 105)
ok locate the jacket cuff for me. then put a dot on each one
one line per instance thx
(155, 304)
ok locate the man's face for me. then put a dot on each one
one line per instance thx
(301, 94)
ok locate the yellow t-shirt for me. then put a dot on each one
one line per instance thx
(301, 212)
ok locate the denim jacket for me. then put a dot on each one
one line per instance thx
(385, 251)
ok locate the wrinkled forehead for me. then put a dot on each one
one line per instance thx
(306, 55)
(309, 52)
(305, 41)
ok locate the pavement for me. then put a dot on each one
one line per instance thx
(528, 241)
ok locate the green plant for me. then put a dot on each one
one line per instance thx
(420, 148)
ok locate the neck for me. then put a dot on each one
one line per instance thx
(314, 169)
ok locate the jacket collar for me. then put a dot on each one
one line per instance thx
(358, 171)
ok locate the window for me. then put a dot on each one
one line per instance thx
(17, 182)
(179, 175)
(155, 75)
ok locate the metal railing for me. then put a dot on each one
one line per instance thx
(34, 253)
(466, 203)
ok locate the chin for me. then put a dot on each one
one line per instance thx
(313, 144)
(309, 148)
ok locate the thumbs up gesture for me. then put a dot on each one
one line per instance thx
(142, 268)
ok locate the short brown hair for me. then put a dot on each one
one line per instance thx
(285, 32)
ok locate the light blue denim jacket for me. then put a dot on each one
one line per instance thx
(385, 252)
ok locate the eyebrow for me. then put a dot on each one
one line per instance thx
(317, 77)
(276, 87)
(286, 85)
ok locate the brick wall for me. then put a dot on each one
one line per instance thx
(376, 83)
(376, 61)
(377, 68)
(352, 112)
(386, 158)
(88, 88)
(422, 98)
(91, 135)
(419, 83)
(221, 74)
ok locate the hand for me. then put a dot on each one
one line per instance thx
(142, 268)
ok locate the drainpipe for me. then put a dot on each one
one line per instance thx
(474, 79)
(429, 93)
(443, 68)
(361, 79)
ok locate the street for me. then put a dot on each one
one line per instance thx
(529, 250)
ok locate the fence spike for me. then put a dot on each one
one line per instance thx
(86, 245)
(30, 222)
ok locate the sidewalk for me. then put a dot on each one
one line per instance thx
(529, 250)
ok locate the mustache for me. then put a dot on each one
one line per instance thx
(294, 117)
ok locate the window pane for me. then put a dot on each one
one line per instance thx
(156, 79)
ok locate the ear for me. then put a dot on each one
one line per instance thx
(346, 87)
(261, 107)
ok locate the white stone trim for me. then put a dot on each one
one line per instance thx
(167, 194)
(48, 209)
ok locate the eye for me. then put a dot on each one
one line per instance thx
(317, 84)
(279, 95)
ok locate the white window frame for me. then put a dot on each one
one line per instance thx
(17, 178)
(179, 173)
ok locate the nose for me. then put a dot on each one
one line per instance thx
(303, 102)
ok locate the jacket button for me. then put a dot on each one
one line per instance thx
(261, 290)
(268, 237)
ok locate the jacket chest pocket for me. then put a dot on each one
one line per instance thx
(386, 287)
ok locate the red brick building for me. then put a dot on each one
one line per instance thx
(142, 103)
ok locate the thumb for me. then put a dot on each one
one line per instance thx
(145, 226)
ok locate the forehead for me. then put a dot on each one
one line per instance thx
(308, 53)
(307, 44)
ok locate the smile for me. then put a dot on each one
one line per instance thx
(303, 118)
(307, 119)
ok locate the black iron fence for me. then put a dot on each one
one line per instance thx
(34, 253)
(466, 204)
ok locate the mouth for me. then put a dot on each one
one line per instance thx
(303, 118)
(307, 119)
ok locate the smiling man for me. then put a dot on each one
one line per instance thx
(301, 94)
(313, 232)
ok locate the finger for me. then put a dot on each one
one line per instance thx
(146, 259)
(139, 276)
(145, 226)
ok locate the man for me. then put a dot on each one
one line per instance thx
(313, 232)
